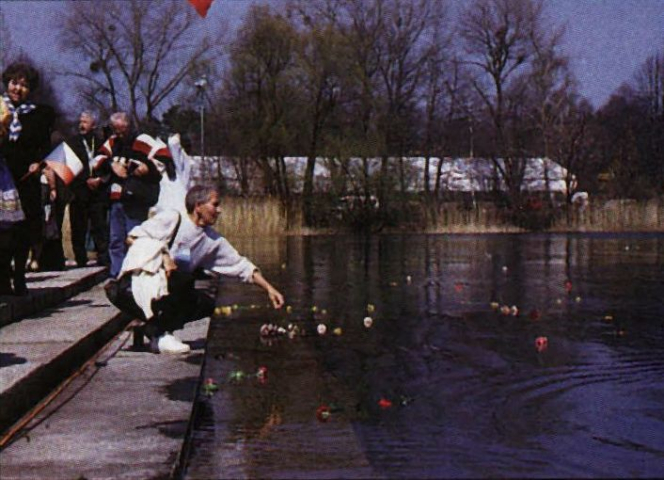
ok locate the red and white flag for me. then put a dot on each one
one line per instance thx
(201, 6)
(64, 162)
(157, 152)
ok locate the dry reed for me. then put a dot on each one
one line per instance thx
(264, 217)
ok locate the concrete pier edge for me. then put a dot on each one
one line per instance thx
(22, 397)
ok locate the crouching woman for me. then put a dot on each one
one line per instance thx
(164, 253)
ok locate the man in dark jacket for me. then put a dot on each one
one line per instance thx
(133, 184)
(89, 206)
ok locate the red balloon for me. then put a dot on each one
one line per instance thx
(201, 6)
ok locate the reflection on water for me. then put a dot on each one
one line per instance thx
(471, 397)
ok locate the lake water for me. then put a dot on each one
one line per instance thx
(442, 385)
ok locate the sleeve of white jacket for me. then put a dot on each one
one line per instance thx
(227, 261)
(160, 227)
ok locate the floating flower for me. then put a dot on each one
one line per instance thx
(371, 308)
(608, 318)
(323, 413)
(209, 387)
(458, 287)
(504, 268)
(314, 309)
(505, 310)
(236, 376)
(367, 322)
(393, 284)
(384, 403)
(321, 329)
(405, 400)
(577, 299)
(261, 374)
(337, 331)
(289, 309)
(408, 279)
(494, 305)
(323, 312)
(514, 311)
(265, 330)
(568, 286)
(541, 344)
(225, 310)
(559, 301)
(283, 266)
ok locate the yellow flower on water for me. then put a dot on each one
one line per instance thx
(289, 309)
(225, 310)
(371, 308)
(337, 331)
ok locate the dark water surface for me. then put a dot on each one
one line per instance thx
(471, 396)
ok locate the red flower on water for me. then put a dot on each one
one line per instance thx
(568, 286)
(262, 374)
(458, 287)
(541, 344)
(384, 403)
(323, 413)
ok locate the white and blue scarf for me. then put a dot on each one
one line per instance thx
(15, 127)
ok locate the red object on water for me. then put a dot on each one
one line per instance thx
(209, 381)
(541, 344)
(458, 287)
(568, 286)
(262, 374)
(323, 413)
(535, 314)
(384, 403)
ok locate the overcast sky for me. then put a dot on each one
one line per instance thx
(606, 39)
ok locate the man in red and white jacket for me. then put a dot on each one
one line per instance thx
(124, 164)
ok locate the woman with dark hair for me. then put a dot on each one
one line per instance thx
(27, 142)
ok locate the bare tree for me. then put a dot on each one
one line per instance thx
(649, 81)
(135, 53)
(260, 95)
(498, 38)
(6, 46)
(320, 63)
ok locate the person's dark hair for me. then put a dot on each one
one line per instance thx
(18, 70)
(196, 195)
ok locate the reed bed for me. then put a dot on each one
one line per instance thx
(257, 217)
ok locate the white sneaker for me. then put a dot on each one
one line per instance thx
(168, 343)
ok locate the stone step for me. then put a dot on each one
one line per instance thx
(38, 352)
(48, 289)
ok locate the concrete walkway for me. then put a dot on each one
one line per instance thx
(47, 289)
(130, 419)
(126, 417)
